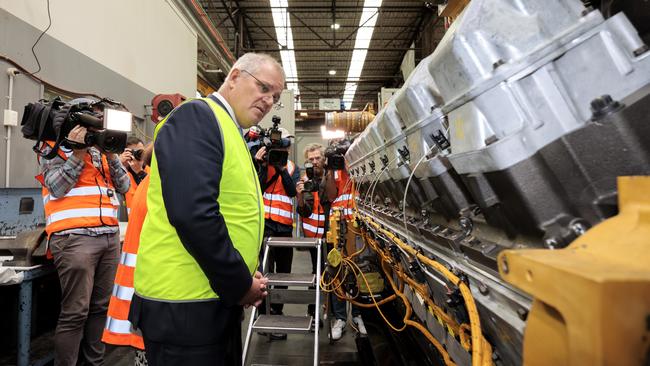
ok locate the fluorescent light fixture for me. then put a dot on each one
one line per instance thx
(117, 120)
(283, 32)
(335, 26)
(367, 23)
(332, 72)
(304, 114)
(328, 135)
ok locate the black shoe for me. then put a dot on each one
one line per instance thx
(278, 336)
(313, 324)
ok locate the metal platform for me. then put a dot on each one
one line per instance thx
(291, 279)
(283, 324)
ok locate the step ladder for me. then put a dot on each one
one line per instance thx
(285, 323)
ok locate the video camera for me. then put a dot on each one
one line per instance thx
(271, 138)
(310, 185)
(335, 155)
(53, 120)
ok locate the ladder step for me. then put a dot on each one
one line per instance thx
(291, 279)
(292, 242)
(288, 296)
(283, 324)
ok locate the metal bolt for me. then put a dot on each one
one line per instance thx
(578, 228)
(522, 313)
(483, 289)
(504, 265)
(550, 243)
(641, 50)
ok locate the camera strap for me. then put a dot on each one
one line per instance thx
(272, 180)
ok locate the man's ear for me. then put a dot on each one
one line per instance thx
(233, 78)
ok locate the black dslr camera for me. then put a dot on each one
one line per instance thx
(310, 185)
(53, 120)
(137, 154)
(335, 155)
(272, 139)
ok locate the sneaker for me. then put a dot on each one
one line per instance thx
(358, 322)
(337, 329)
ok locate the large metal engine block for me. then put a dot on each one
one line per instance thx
(510, 135)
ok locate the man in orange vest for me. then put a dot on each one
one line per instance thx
(80, 189)
(133, 162)
(279, 186)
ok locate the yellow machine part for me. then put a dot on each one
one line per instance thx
(592, 299)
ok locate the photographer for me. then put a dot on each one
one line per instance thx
(310, 207)
(330, 188)
(79, 195)
(278, 184)
(132, 161)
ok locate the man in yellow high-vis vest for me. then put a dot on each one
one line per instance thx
(198, 255)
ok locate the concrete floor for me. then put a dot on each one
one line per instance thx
(296, 350)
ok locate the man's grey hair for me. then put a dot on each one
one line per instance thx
(313, 147)
(251, 62)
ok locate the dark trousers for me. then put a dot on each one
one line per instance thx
(86, 267)
(280, 260)
(204, 333)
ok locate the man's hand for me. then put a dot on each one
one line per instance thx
(78, 135)
(259, 155)
(256, 293)
(126, 157)
(300, 186)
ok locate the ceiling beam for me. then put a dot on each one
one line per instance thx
(339, 8)
(314, 49)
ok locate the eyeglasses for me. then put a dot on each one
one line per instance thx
(264, 88)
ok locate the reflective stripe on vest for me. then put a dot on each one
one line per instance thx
(278, 206)
(277, 197)
(312, 229)
(278, 212)
(343, 197)
(80, 191)
(81, 212)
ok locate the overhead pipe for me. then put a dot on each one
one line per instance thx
(199, 13)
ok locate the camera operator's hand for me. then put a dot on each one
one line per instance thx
(300, 186)
(259, 156)
(126, 157)
(78, 135)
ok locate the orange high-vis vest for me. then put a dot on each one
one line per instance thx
(345, 198)
(128, 196)
(278, 206)
(118, 330)
(314, 225)
(87, 204)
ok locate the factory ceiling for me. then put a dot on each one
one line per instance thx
(329, 49)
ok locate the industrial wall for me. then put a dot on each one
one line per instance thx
(145, 41)
(152, 51)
